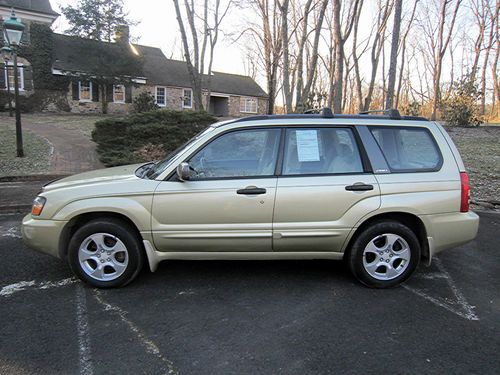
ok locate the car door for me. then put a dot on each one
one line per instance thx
(227, 203)
(324, 188)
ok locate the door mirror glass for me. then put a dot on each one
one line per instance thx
(183, 171)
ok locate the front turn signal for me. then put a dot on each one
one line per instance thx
(38, 204)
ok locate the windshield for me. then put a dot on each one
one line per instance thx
(154, 170)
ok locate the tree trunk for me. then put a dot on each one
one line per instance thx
(393, 62)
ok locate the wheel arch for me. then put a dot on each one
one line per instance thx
(77, 221)
(412, 221)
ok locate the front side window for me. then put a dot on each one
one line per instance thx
(85, 91)
(187, 98)
(9, 76)
(321, 151)
(238, 154)
(248, 105)
(161, 96)
(119, 93)
(408, 149)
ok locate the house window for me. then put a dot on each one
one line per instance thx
(187, 98)
(119, 93)
(248, 105)
(9, 75)
(85, 91)
(161, 96)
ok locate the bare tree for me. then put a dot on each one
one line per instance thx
(340, 37)
(398, 7)
(494, 65)
(440, 39)
(195, 51)
(403, 52)
(384, 11)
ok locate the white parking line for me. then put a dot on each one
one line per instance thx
(12, 232)
(465, 311)
(149, 345)
(86, 366)
(10, 289)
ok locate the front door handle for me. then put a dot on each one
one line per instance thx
(359, 186)
(251, 190)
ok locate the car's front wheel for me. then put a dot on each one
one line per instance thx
(105, 253)
(384, 254)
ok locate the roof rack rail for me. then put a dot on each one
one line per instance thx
(323, 112)
(392, 113)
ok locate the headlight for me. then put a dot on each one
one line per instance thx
(38, 204)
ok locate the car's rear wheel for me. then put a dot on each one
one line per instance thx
(384, 255)
(105, 253)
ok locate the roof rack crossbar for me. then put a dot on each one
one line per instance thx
(391, 112)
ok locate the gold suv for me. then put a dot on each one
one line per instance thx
(380, 191)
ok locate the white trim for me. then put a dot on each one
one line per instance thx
(164, 96)
(20, 69)
(124, 94)
(220, 95)
(60, 72)
(27, 15)
(246, 98)
(183, 96)
(80, 91)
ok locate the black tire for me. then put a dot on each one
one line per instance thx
(380, 233)
(118, 231)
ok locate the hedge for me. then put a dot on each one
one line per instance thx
(118, 139)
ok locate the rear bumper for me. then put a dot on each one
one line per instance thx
(449, 230)
(42, 235)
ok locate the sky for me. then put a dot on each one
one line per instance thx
(158, 28)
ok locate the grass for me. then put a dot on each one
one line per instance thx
(36, 151)
(480, 151)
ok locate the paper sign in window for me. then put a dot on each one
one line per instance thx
(307, 145)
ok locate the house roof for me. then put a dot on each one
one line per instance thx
(167, 72)
(75, 54)
(72, 54)
(39, 6)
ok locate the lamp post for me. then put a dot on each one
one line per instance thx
(13, 32)
(7, 53)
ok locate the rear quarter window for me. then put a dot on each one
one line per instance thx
(408, 149)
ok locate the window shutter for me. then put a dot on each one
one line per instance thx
(128, 94)
(95, 92)
(109, 93)
(74, 90)
(28, 78)
(3, 85)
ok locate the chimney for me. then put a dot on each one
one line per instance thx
(122, 34)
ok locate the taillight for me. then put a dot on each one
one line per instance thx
(465, 196)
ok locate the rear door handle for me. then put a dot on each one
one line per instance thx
(251, 190)
(359, 186)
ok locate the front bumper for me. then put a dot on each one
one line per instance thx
(449, 230)
(42, 235)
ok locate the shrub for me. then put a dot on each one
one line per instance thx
(150, 152)
(412, 109)
(144, 102)
(146, 136)
(460, 108)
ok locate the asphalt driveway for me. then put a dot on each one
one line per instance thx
(274, 317)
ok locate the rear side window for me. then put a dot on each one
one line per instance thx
(321, 151)
(408, 149)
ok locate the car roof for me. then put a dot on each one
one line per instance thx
(325, 116)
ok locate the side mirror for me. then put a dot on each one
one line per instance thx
(183, 171)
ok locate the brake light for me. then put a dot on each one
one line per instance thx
(465, 196)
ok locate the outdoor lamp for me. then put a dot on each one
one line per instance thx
(13, 30)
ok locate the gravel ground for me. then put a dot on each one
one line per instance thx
(36, 150)
(480, 151)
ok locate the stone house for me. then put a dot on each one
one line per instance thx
(86, 62)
